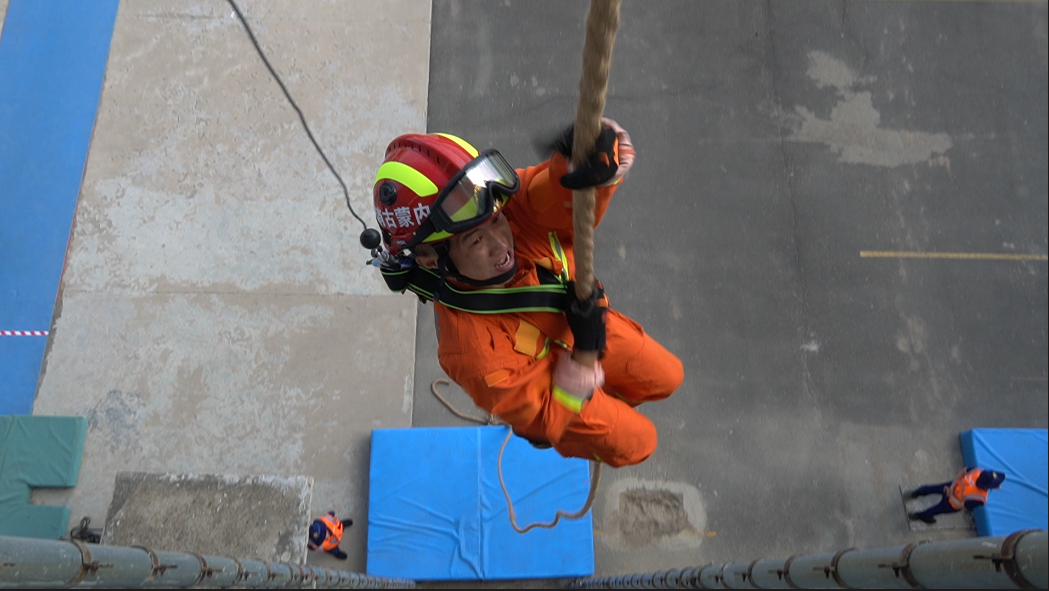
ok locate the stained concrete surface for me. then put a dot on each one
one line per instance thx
(254, 517)
(776, 141)
(216, 315)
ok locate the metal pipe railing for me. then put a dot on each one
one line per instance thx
(1017, 561)
(54, 564)
(1004, 562)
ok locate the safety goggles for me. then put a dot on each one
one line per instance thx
(471, 196)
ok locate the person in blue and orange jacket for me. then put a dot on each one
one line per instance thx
(967, 491)
(563, 373)
(326, 534)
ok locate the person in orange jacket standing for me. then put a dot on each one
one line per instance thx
(326, 534)
(967, 491)
(493, 247)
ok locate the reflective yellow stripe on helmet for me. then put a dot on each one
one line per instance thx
(472, 151)
(407, 176)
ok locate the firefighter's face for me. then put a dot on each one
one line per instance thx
(485, 252)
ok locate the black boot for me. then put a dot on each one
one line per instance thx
(536, 443)
(347, 522)
(338, 553)
(919, 516)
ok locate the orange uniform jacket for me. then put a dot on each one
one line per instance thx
(964, 490)
(506, 361)
(334, 532)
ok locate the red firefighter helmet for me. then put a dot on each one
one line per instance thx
(433, 186)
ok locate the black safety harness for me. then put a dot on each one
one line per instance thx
(549, 296)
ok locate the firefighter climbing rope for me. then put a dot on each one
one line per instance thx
(601, 26)
(602, 22)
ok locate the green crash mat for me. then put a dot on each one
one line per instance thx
(37, 452)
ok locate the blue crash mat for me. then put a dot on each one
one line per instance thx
(1023, 500)
(52, 62)
(436, 510)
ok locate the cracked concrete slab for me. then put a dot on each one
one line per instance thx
(268, 516)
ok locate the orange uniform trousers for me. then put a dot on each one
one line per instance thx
(637, 369)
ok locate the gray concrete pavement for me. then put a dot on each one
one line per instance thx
(252, 517)
(776, 141)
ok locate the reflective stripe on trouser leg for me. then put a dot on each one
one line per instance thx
(609, 429)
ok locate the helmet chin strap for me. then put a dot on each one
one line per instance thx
(446, 268)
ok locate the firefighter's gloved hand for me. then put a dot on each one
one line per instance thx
(600, 166)
(586, 318)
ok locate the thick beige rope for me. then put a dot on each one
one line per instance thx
(486, 420)
(595, 480)
(602, 21)
(595, 471)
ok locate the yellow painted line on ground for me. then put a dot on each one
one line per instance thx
(983, 256)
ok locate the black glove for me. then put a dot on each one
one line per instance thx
(599, 167)
(586, 319)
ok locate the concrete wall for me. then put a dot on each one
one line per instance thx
(216, 313)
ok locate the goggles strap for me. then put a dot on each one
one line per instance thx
(425, 230)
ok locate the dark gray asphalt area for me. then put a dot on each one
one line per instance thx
(776, 141)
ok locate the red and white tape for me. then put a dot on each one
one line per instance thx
(23, 333)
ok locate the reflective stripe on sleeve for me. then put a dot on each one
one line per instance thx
(559, 252)
(567, 399)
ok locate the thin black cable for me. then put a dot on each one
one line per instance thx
(84, 534)
(295, 106)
